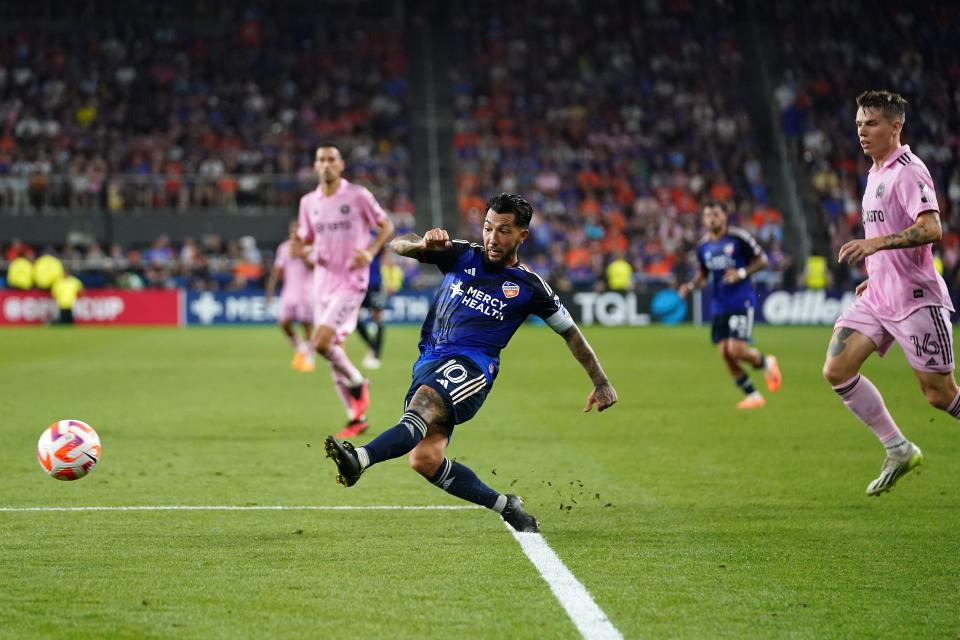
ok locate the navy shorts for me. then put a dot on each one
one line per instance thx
(458, 380)
(738, 326)
(375, 300)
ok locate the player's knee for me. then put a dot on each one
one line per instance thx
(835, 373)
(425, 461)
(322, 343)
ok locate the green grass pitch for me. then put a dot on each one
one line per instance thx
(684, 517)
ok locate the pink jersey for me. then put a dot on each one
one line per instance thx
(901, 280)
(296, 275)
(338, 225)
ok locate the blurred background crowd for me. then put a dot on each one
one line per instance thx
(617, 119)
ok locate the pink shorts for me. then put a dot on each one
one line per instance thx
(298, 310)
(926, 335)
(338, 310)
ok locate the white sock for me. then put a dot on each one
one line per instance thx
(897, 446)
(363, 457)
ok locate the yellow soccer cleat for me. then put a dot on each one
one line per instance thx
(895, 468)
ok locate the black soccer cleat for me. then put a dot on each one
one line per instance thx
(514, 515)
(345, 457)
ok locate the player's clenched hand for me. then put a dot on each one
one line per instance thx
(604, 396)
(361, 258)
(684, 289)
(862, 287)
(856, 250)
(436, 239)
(732, 276)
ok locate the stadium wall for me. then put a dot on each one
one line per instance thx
(195, 308)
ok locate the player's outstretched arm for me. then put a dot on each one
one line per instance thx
(924, 231)
(410, 245)
(603, 395)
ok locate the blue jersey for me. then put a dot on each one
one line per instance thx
(479, 307)
(376, 278)
(733, 250)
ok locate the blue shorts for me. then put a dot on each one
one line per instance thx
(375, 300)
(458, 380)
(738, 326)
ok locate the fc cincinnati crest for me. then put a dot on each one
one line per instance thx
(728, 249)
(345, 209)
(510, 290)
(880, 190)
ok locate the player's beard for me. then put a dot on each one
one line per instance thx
(506, 258)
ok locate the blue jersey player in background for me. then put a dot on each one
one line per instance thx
(727, 257)
(370, 326)
(485, 296)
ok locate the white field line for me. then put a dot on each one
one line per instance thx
(185, 507)
(590, 620)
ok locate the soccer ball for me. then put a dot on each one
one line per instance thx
(68, 449)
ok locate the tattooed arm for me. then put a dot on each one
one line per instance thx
(603, 394)
(924, 231)
(410, 245)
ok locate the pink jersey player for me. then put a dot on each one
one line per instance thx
(339, 226)
(904, 299)
(337, 219)
(905, 280)
(295, 296)
(296, 304)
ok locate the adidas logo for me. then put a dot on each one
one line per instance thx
(931, 362)
(471, 271)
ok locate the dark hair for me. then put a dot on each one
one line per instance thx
(328, 144)
(710, 203)
(892, 105)
(512, 203)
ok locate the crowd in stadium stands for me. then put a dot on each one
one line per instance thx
(617, 119)
(902, 47)
(210, 263)
(221, 110)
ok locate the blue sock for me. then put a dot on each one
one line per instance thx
(458, 480)
(396, 441)
(745, 384)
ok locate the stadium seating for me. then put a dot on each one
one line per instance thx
(894, 46)
(208, 106)
(616, 119)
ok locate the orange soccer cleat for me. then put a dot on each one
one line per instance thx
(297, 363)
(772, 374)
(752, 401)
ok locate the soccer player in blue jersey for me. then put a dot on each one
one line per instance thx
(370, 326)
(728, 256)
(485, 295)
